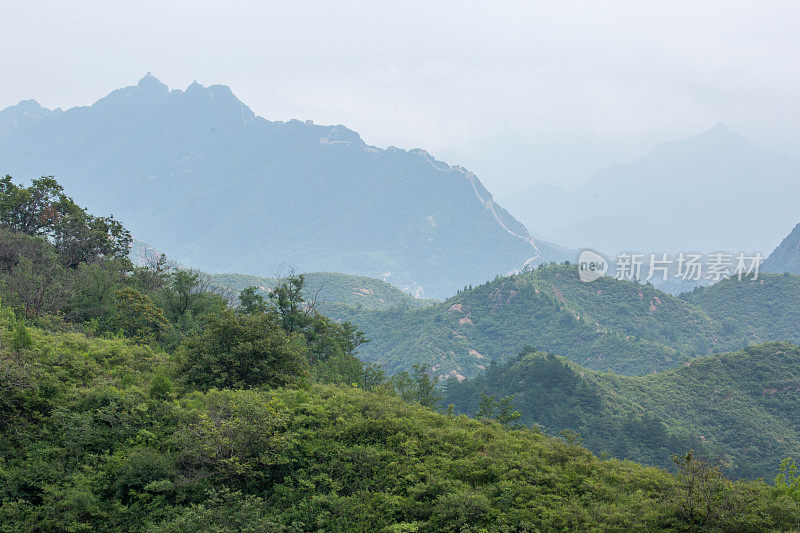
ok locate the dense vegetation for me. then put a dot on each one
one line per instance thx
(137, 399)
(608, 324)
(334, 293)
(767, 308)
(105, 434)
(742, 408)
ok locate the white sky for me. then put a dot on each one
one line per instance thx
(518, 92)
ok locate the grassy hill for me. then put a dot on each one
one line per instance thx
(608, 324)
(99, 435)
(605, 325)
(767, 308)
(135, 399)
(742, 408)
(335, 292)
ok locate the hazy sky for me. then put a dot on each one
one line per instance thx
(518, 92)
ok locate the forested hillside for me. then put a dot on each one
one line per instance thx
(134, 398)
(767, 308)
(740, 408)
(608, 324)
(107, 435)
(333, 292)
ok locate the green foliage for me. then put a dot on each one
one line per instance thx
(62, 266)
(787, 482)
(605, 325)
(97, 438)
(501, 410)
(294, 312)
(740, 408)
(339, 296)
(753, 310)
(20, 339)
(242, 351)
(418, 386)
(31, 275)
(706, 500)
(43, 209)
(264, 419)
(137, 317)
(160, 386)
(331, 346)
(608, 324)
(252, 302)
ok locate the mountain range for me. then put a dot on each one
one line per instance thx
(196, 174)
(606, 325)
(714, 191)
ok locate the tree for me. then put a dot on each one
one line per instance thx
(788, 481)
(29, 210)
(294, 311)
(242, 351)
(184, 286)
(32, 277)
(418, 386)
(331, 346)
(187, 300)
(501, 410)
(44, 210)
(705, 497)
(155, 273)
(137, 317)
(95, 285)
(251, 302)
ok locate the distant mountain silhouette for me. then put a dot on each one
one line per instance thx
(199, 176)
(786, 257)
(713, 191)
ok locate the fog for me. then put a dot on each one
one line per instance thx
(519, 92)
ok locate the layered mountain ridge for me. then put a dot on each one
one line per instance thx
(709, 192)
(201, 177)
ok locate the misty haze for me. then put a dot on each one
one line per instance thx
(399, 267)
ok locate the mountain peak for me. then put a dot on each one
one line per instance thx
(786, 257)
(721, 127)
(150, 82)
(30, 106)
(21, 115)
(721, 131)
(719, 139)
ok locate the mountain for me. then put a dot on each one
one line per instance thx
(742, 408)
(714, 191)
(786, 257)
(334, 293)
(607, 325)
(199, 176)
(22, 115)
(757, 310)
